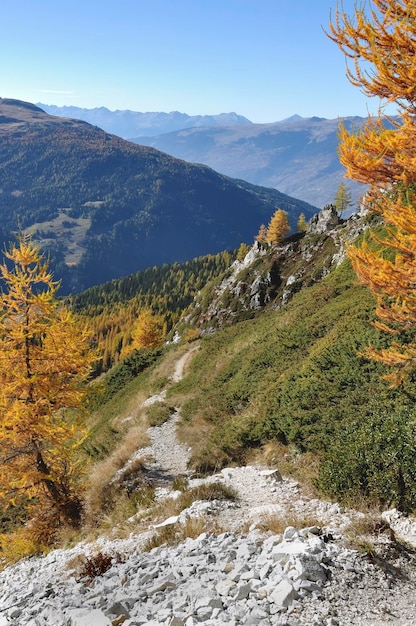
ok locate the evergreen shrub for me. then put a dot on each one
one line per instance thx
(375, 458)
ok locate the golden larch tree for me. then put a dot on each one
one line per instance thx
(302, 224)
(278, 227)
(242, 251)
(149, 331)
(343, 198)
(44, 362)
(261, 236)
(381, 47)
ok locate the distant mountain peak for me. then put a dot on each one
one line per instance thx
(105, 207)
(292, 118)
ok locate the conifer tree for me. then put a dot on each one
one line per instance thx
(382, 46)
(44, 362)
(302, 224)
(278, 227)
(342, 198)
(148, 332)
(242, 251)
(261, 236)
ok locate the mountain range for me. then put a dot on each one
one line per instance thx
(104, 207)
(297, 155)
(128, 124)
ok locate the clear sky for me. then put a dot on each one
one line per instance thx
(264, 59)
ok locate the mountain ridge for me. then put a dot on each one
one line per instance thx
(104, 207)
(125, 123)
(296, 155)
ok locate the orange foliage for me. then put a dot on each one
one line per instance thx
(44, 361)
(148, 331)
(278, 227)
(261, 236)
(382, 46)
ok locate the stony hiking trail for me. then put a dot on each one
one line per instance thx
(169, 457)
(388, 596)
(243, 574)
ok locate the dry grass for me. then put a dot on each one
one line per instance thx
(101, 481)
(303, 468)
(278, 523)
(209, 491)
(166, 368)
(365, 530)
(195, 434)
(176, 533)
(159, 413)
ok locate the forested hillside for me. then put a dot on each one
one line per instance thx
(112, 308)
(104, 207)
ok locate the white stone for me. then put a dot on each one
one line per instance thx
(170, 521)
(283, 594)
(290, 534)
(283, 551)
(82, 617)
(224, 587)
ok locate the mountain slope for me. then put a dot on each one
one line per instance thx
(297, 156)
(105, 207)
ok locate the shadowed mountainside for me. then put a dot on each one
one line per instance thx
(105, 207)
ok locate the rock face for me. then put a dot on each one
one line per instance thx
(325, 220)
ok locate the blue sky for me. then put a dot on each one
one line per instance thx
(265, 59)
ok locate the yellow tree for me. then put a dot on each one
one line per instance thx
(278, 227)
(148, 331)
(302, 224)
(381, 46)
(44, 362)
(343, 198)
(261, 236)
(242, 251)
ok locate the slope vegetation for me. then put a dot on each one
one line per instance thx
(285, 377)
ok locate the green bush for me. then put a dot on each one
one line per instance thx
(120, 375)
(375, 458)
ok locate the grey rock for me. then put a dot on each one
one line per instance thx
(325, 220)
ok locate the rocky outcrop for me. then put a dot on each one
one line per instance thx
(325, 220)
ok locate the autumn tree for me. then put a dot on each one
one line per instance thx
(44, 361)
(261, 236)
(343, 198)
(148, 332)
(242, 251)
(278, 227)
(381, 48)
(302, 224)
